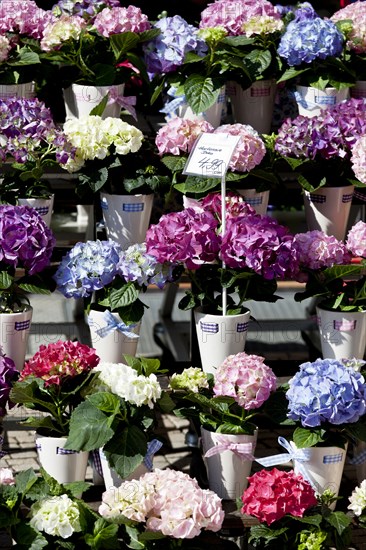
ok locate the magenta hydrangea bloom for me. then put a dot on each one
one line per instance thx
(250, 149)
(117, 20)
(235, 205)
(232, 14)
(178, 135)
(356, 239)
(318, 250)
(188, 237)
(25, 240)
(246, 378)
(261, 244)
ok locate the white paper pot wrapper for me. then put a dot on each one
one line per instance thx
(328, 209)
(81, 99)
(212, 115)
(257, 200)
(14, 333)
(253, 106)
(324, 469)
(64, 465)
(126, 217)
(342, 333)
(311, 101)
(227, 470)
(112, 347)
(220, 336)
(44, 207)
(26, 90)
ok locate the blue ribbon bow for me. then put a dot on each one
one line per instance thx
(113, 324)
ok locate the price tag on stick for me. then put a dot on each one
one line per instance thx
(210, 158)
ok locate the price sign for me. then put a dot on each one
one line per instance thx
(211, 155)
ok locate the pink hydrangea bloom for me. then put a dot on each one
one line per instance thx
(168, 501)
(60, 360)
(273, 493)
(178, 135)
(318, 250)
(250, 149)
(233, 13)
(117, 20)
(245, 378)
(356, 239)
(235, 205)
(23, 17)
(357, 14)
(187, 237)
(358, 158)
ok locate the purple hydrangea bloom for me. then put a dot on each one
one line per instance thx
(326, 391)
(8, 375)
(25, 240)
(309, 37)
(166, 52)
(188, 237)
(87, 267)
(137, 266)
(262, 244)
(318, 250)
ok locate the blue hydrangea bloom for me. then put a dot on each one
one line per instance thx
(309, 37)
(166, 52)
(326, 391)
(87, 267)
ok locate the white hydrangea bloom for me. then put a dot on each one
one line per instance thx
(192, 379)
(56, 516)
(144, 391)
(358, 499)
(133, 499)
(62, 29)
(4, 48)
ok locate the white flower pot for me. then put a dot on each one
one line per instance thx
(328, 209)
(311, 101)
(14, 332)
(126, 217)
(212, 115)
(219, 336)
(44, 207)
(324, 469)
(26, 90)
(81, 99)
(258, 200)
(342, 333)
(63, 465)
(253, 106)
(227, 470)
(112, 347)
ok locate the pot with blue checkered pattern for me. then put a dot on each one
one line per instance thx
(14, 333)
(220, 336)
(327, 209)
(322, 467)
(44, 207)
(64, 465)
(126, 217)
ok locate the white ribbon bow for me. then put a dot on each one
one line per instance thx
(242, 450)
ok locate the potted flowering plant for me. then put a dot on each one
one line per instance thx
(31, 144)
(118, 414)
(163, 509)
(28, 502)
(222, 407)
(313, 52)
(26, 245)
(290, 514)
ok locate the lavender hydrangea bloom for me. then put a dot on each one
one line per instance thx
(8, 375)
(87, 267)
(326, 391)
(25, 240)
(137, 266)
(166, 52)
(86, 8)
(309, 37)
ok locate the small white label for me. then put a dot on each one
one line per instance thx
(211, 154)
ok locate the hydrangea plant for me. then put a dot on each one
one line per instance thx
(351, 20)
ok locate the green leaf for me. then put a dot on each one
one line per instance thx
(99, 109)
(105, 535)
(134, 542)
(201, 92)
(339, 521)
(258, 532)
(197, 185)
(126, 450)
(90, 428)
(122, 43)
(124, 296)
(5, 280)
(26, 393)
(26, 57)
(303, 437)
(173, 163)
